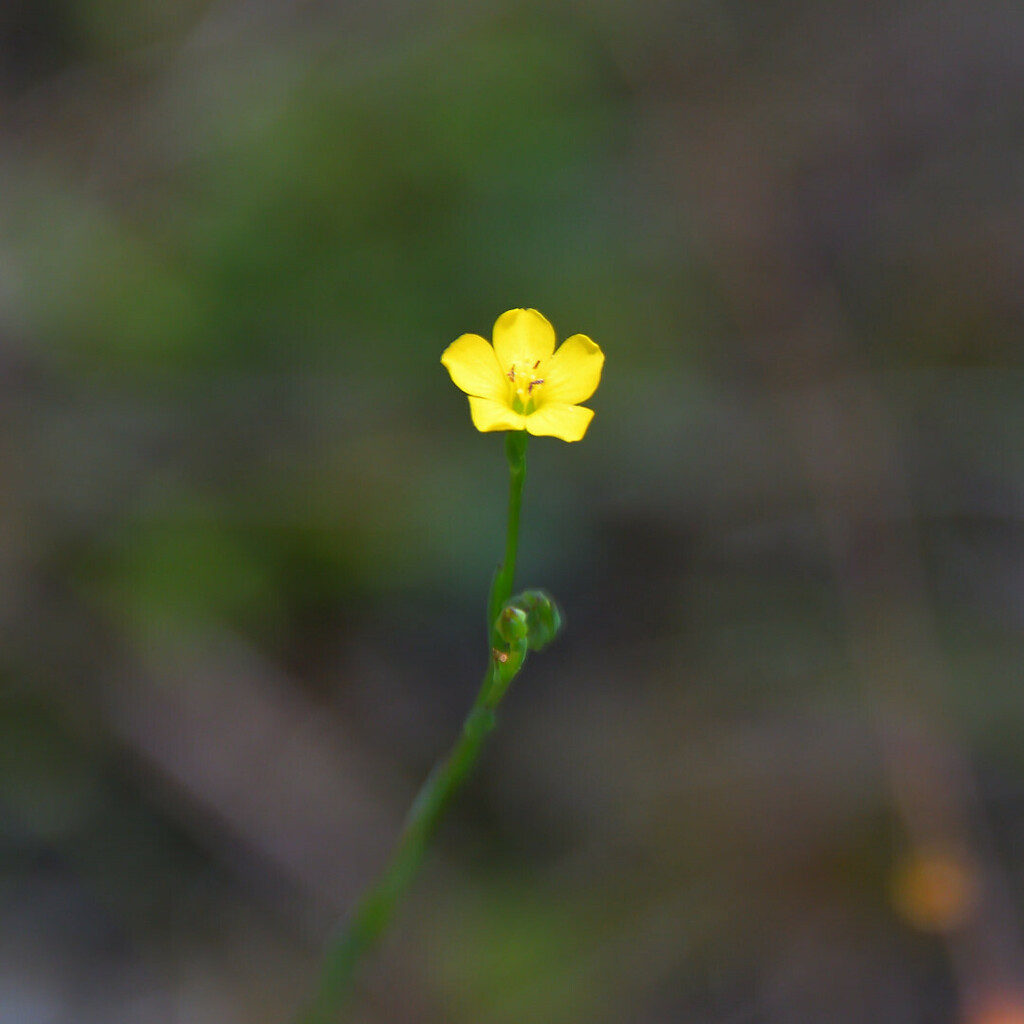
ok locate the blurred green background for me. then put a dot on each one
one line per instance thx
(773, 771)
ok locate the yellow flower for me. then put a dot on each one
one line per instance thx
(522, 383)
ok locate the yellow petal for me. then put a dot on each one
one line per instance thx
(474, 367)
(491, 415)
(522, 337)
(573, 372)
(556, 419)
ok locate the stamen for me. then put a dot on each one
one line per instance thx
(523, 383)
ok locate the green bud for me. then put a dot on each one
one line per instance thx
(513, 624)
(543, 617)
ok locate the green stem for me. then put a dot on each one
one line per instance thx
(501, 589)
(374, 912)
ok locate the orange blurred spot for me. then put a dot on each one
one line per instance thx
(936, 891)
(1003, 1010)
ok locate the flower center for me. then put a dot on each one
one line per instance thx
(526, 383)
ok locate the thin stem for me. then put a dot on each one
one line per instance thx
(374, 912)
(501, 589)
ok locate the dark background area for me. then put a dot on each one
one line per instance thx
(773, 771)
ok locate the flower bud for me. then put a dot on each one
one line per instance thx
(543, 617)
(513, 624)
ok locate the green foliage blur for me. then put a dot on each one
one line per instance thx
(247, 528)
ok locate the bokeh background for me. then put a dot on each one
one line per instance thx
(774, 771)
